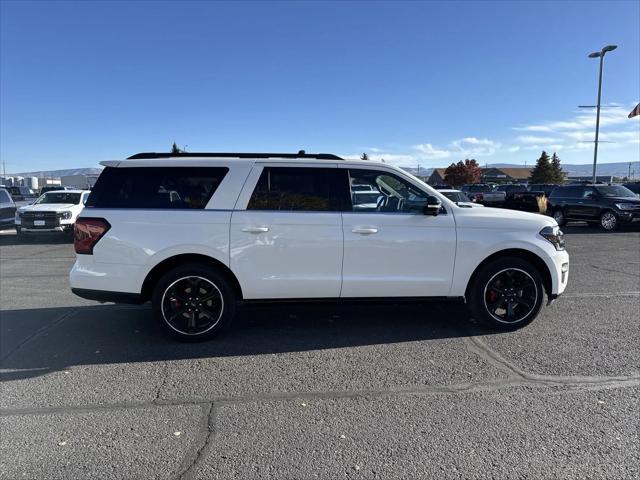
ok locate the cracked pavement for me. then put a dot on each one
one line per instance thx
(321, 391)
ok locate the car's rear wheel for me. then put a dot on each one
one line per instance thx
(609, 221)
(558, 216)
(506, 293)
(193, 303)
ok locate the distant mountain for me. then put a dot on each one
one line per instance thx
(58, 173)
(616, 169)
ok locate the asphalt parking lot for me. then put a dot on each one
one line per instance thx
(321, 391)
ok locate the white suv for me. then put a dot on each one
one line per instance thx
(53, 212)
(196, 233)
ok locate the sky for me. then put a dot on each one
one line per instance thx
(416, 83)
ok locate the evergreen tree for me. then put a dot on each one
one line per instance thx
(175, 149)
(364, 156)
(543, 171)
(558, 174)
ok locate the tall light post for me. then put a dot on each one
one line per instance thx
(599, 55)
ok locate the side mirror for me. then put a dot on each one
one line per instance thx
(433, 206)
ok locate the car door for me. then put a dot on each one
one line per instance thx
(589, 204)
(571, 199)
(286, 231)
(394, 249)
(7, 208)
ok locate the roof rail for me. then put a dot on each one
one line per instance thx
(300, 154)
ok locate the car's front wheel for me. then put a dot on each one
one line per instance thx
(507, 293)
(608, 221)
(558, 216)
(193, 303)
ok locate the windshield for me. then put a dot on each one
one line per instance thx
(456, 196)
(615, 191)
(59, 197)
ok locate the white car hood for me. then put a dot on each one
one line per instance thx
(48, 207)
(501, 218)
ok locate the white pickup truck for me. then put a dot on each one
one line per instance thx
(54, 211)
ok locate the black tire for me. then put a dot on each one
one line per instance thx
(486, 295)
(174, 294)
(558, 216)
(609, 221)
(21, 236)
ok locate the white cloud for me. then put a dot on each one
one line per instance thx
(429, 152)
(475, 147)
(532, 139)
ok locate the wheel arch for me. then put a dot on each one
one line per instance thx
(182, 259)
(526, 255)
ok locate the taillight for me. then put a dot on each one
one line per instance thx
(87, 232)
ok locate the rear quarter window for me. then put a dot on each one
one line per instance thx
(156, 187)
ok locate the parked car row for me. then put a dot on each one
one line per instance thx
(53, 212)
(608, 206)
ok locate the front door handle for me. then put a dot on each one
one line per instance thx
(255, 229)
(365, 231)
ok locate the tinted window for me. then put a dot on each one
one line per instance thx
(567, 192)
(300, 188)
(4, 197)
(394, 194)
(155, 187)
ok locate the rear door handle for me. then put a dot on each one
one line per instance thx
(365, 231)
(255, 229)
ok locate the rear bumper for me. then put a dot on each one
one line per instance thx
(103, 296)
(60, 229)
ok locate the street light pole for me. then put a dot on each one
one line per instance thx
(600, 55)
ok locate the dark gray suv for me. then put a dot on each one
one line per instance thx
(604, 205)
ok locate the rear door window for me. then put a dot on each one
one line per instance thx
(156, 187)
(301, 189)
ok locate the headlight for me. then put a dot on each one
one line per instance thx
(65, 215)
(554, 235)
(626, 206)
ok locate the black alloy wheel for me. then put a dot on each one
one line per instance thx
(506, 293)
(510, 295)
(193, 303)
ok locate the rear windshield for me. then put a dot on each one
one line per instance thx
(59, 197)
(156, 187)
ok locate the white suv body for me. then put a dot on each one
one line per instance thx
(53, 212)
(269, 235)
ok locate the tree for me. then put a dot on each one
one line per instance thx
(543, 171)
(461, 173)
(558, 174)
(364, 156)
(175, 149)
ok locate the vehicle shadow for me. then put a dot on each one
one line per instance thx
(7, 239)
(40, 341)
(585, 228)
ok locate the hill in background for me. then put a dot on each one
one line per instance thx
(617, 169)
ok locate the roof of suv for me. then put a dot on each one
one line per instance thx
(300, 154)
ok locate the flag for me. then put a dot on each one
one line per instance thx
(635, 112)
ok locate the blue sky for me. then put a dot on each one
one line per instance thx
(417, 83)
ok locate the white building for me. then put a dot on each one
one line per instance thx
(79, 181)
